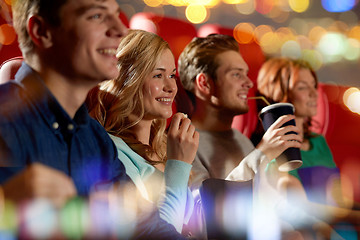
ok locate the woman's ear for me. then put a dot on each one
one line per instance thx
(39, 32)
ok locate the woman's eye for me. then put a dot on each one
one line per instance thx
(158, 76)
(172, 76)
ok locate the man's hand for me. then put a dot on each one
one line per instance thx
(40, 181)
(275, 140)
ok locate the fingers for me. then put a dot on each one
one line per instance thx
(281, 121)
(40, 181)
(183, 139)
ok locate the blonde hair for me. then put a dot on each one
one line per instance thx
(112, 102)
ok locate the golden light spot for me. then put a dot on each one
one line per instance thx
(299, 5)
(244, 32)
(196, 13)
(7, 34)
(153, 3)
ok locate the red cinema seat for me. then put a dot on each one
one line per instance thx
(341, 128)
(9, 68)
(178, 33)
(9, 46)
(254, 57)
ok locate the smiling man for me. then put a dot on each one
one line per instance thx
(214, 73)
(49, 146)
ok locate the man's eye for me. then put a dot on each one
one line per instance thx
(96, 16)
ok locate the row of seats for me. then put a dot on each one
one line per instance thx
(334, 120)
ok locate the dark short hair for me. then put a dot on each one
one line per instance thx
(22, 9)
(199, 56)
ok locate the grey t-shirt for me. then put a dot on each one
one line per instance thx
(226, 155)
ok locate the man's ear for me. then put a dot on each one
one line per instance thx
(203, 83)
(39, 32)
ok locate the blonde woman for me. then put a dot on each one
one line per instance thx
(133, 108)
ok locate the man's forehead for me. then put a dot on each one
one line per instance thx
(232, 60)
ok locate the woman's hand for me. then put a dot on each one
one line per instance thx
(183, 139)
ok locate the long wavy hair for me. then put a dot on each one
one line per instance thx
(277, 77)
(113, 101)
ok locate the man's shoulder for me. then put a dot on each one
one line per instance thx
(9, 93)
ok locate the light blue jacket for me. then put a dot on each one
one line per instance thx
(169, 189)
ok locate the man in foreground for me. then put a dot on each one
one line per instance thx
(49, 146)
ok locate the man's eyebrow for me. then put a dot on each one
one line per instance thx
(86, 8)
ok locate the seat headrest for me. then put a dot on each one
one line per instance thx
(9, 68)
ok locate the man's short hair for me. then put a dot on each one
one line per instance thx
(22, 9)
(200, 56)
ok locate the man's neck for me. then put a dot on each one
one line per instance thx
(209, 118)
(70, 93)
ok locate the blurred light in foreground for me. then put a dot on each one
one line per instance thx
(74, 218)
(237, 213)
(338, 5)
(332, 46)
(351, 99)
(7, 34)
(291, 49)
(196, 13)
(8, 219)
(40, 219)
(246, 8)
(299, 5)
(244, 33)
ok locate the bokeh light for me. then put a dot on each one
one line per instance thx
(338, 5)
(246, 8)
(7, 34)
(39, 219)
(352, 52)
(332, 46)
(153, 3)
(244, 33)
(196, 13)
(299, 5)
(264, 6)
(74, 218)
(352, 99)
(291, 49)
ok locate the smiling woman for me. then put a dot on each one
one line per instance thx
(133, 108)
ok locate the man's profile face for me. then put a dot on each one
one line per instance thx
(232, 84)
(85, 44)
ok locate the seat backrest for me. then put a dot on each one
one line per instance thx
(254, 57)
(9, 68)
(227, 206)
